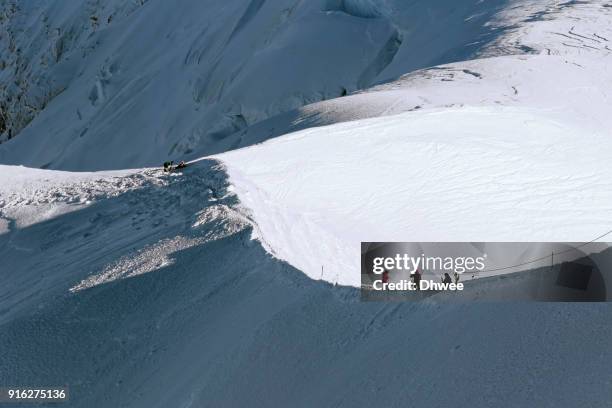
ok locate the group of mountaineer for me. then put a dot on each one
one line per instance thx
(169, 166)
(418, 275)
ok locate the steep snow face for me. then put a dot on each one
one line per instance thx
(578, 34)
(153, 295)
(126, 84)
(42, 210)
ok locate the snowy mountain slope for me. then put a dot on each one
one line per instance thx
(576, 35)
(509, 148)
(465, 174)
(27, 197)
(143, 289)
(127, 84)
(208, 312)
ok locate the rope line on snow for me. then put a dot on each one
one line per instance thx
(549, 256)
(369, 286)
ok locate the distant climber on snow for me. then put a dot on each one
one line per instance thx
(416, 278)
(385, 277)
(169, 166)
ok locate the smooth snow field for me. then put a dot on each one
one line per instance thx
(455, 174)
(309, 126)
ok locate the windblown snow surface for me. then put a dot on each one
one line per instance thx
(233, 282)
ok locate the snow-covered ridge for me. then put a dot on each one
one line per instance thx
(458, 151)
(172, 304)
(505, 148)
(26, 186)
(149, 203)
(464, 174)
(145, 289)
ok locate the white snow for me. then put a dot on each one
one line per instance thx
(144, 289)
(462, 174)
(507, 148)
(560, 72)
(156, 296)
(29, 196)
(87, 85)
